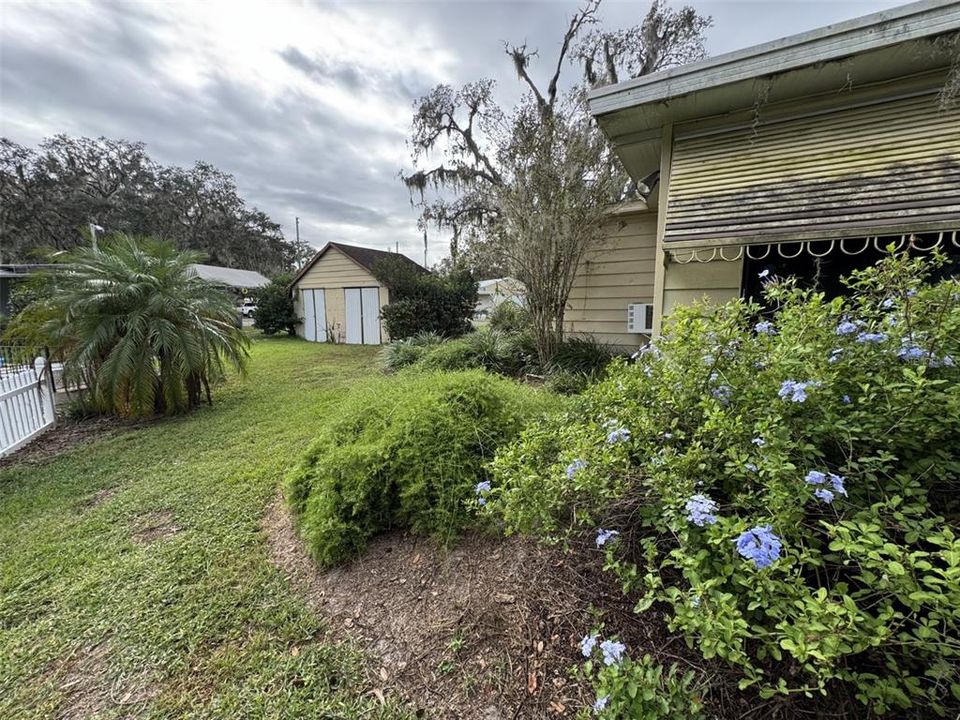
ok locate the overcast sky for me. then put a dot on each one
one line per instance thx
(307, 104)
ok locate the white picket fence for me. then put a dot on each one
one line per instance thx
(26, 403)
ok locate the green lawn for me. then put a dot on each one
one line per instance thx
(95, 622)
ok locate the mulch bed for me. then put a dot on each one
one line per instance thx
(489, 630)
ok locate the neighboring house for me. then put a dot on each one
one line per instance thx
(339, 299)
(490, 293)
(805, 156)
(238, 280)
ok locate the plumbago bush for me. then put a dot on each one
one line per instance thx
(785, 483)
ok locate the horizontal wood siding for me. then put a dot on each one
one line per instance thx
(334, 272)
(882, 167)
(713, 282)
(615, 273)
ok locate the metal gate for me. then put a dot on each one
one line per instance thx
(26, 397)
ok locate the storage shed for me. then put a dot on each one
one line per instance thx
(337, 297)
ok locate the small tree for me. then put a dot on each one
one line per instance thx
(275, 312)
(134, 322)
(425, 302)
(526, 189)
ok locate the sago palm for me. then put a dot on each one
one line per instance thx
(133, 320)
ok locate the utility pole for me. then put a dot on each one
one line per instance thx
(398, 247)
(93, 234)
(298, 232)
(424, 247)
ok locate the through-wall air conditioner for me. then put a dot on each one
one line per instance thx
(640, 318)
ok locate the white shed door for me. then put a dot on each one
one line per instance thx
(352, 297)
(309, 315)
(314, 315)
(371, 315)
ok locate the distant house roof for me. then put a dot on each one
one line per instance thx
(231, 277)
(364, 257)
(493, 286)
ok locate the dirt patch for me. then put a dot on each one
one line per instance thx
(153, 527)
(67, 434)
(83, 679)
(98, 498)
(487, 631)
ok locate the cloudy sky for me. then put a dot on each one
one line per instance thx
(307, 104)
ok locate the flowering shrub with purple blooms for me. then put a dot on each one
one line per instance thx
(788, 487)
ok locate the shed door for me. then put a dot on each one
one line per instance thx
(370, 303)
(309, 315)
(352, 297)
(314, 315)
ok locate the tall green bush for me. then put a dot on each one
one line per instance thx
(407, 451)
(786, 483)
(275, 311)
(425, 302)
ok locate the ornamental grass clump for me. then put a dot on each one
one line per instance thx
(409, 451)
(785, 480)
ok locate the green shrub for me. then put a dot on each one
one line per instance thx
(425, 302)
(508, 317)
(450, 355)
(275, 313)
(585, 355)
(405, 451)
(785, 484)
(403, 353)
(641, 689)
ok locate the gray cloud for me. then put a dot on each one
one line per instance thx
(312, 129)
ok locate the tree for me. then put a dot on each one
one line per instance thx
(133, 321)
(49, 196)
(526, 189)
(275, 312)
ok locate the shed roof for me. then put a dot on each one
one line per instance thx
(231, 277)
(362, 256)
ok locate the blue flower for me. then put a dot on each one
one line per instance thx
(612, 651)
(708, 359)
(846, 400)
(587, 644)
(868, 337)
(824, 494)
(701, 510)
(723, 393)
(759, 544)
(815, 477)
(847, 327)
(481, 488)
(759, 441)
(667, 436)
(762, 274)
(617, 436)
(604, 536)
(751, 467)
(795, 391)
(947, 361)
(887, 304)
(575, 467)
(911, 293)
(837, 482)
(765, 327)
(835, 355)
(600, 704)
(909, 352)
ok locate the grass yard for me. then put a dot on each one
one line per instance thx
(134, 578)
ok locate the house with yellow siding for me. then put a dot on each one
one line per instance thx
(807, 156)
(338, 299)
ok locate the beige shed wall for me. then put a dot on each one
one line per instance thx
(615, 273)
(334, 272)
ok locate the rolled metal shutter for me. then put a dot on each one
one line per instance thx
(878, 169)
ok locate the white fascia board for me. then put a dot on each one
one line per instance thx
(871, 32)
